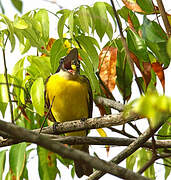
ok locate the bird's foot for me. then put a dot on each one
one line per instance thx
(55, 124)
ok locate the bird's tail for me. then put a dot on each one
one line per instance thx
(82, 168)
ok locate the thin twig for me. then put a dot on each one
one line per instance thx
(47, 115)
(135, 128)
(121, 132)
(148, 164)
(14, 85)
(7, 84)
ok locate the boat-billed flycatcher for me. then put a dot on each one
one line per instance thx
(70, 97)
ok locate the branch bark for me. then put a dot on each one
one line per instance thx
(129, 150)
(164, 17)
(109, 103)
(67, 152)
(77, 140)
(92, 123)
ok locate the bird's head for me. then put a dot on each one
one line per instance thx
(70, 62)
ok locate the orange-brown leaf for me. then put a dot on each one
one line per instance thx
(160, 73)
(107, 66)
(49, 46)
(132, 6)
(50, 43)
(131, 25)
(146, 71)
(101, 109)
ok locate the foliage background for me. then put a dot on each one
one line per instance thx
(26, 7)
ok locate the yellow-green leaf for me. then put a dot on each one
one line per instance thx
(37, 96)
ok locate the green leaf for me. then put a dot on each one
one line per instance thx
(25, 171)
(37, 96)
(18, 78)
(8, 175)
(2, 164)
(61, 23)
(109, 30)
(17, 157)
(137, 46)
(18, 4)
(18, 70)
(153, 32)
(73, 172)
(39, 66)
(83, 14)
(150, 107)
(66, 162)
(110, 11)
(165, 130)
(101, 20)
(35, 33)
(131, 160)
(92, 18)
(124, 12)
(150, 172)
(143, 157)
(47, 164)
(167, 162)
(88, 46)
(19, 23)
(123, 71)
(88, 71)
(71, 23)
(10, 32)
(146, 5)
(57, 51)
(43, 18)
(159, 49)
(3, 90)
(25, 46)
(2, 8)
(3, 107)
(169, 47)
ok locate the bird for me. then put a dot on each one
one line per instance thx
(69, 95)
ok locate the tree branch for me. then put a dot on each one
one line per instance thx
(92, 123)
(164, 17)
(78, 140)
(109, 103)
(67, 152)
(130, 149)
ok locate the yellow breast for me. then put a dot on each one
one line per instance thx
(70, 97)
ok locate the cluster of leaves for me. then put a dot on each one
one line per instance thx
(146, 44)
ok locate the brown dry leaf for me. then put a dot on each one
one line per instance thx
(107, 66)
(160, 73)
(146, 71)
(130, 23)
(49, 46)
(101, 109)
(50, 43)
(132, 6)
